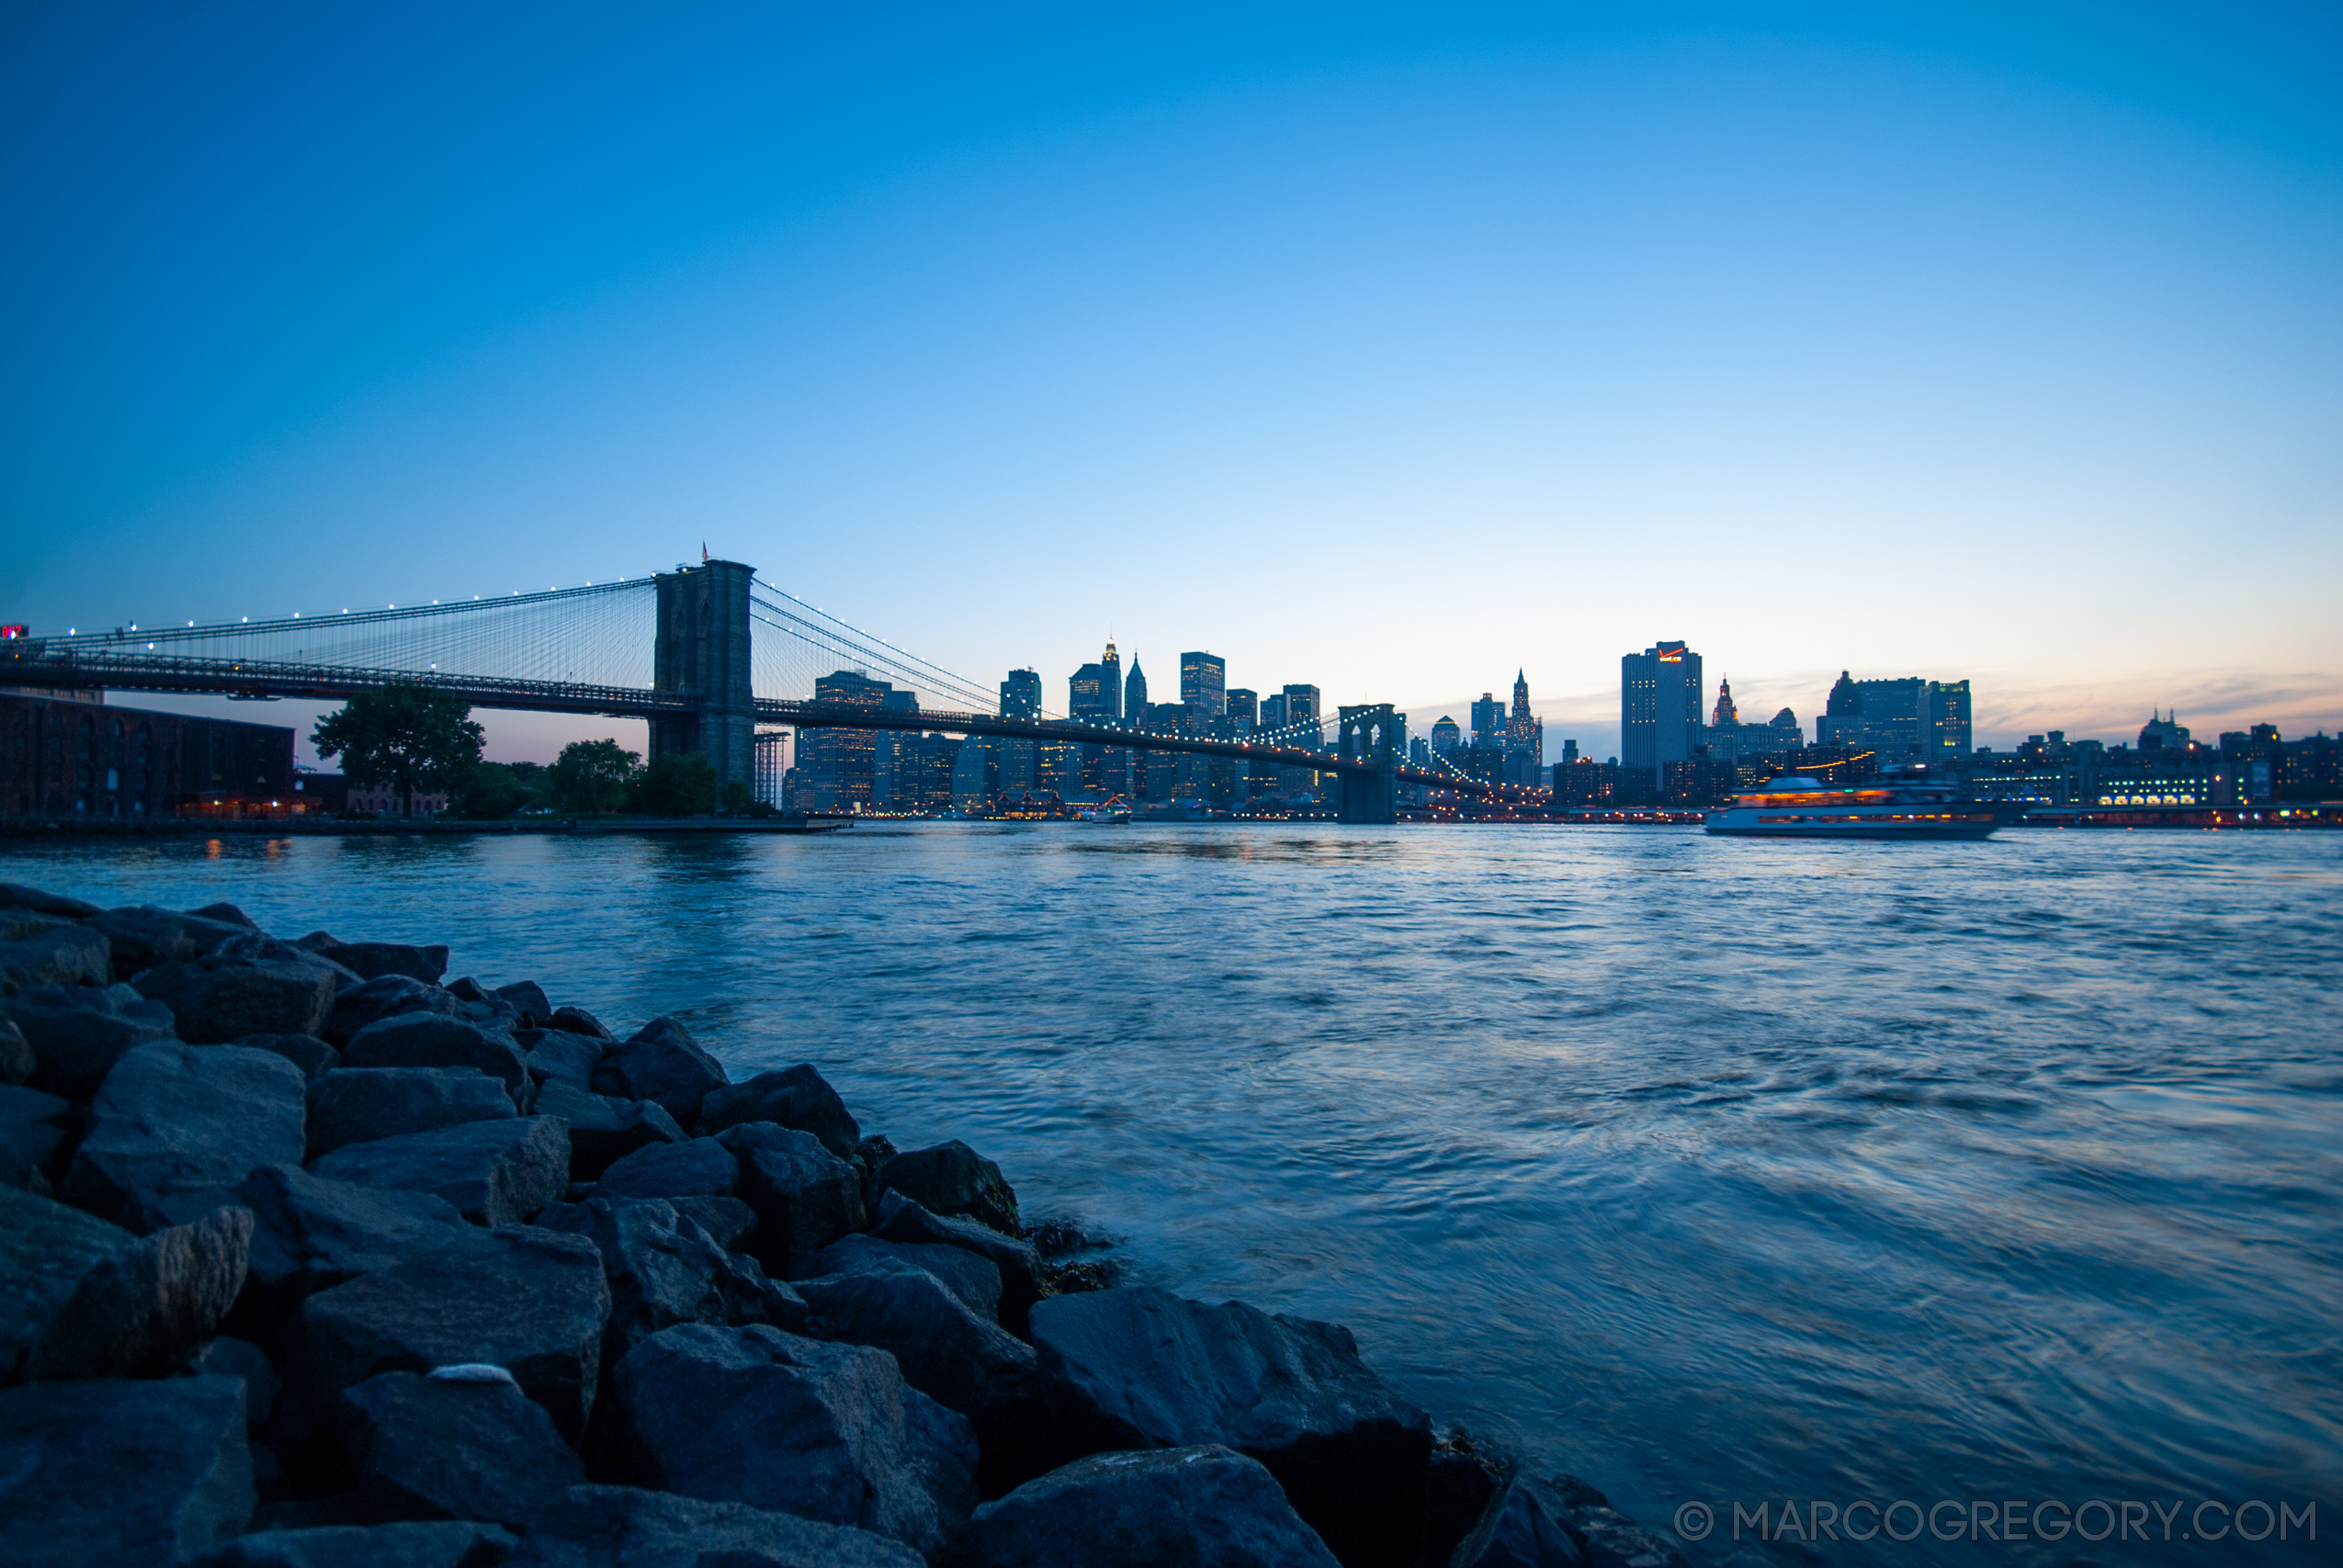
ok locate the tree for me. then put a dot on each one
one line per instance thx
(491, 789)
(592, 776)
(407, 735)
(681, 784)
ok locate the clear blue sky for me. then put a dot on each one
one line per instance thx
(1382, 349)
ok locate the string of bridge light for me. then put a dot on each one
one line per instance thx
(347, 615)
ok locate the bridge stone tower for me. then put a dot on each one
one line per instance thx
(1370, 734)
(703, 647)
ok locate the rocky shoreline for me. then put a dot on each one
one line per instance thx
(308, 1258)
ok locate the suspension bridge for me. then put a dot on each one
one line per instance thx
(705, 653)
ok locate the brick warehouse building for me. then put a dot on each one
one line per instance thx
(74, 759)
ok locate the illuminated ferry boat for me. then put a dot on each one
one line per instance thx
(1884, 808)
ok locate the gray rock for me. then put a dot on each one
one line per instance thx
(143, 937)
(229, 1357)
(389, 997)
(529, 997)
(121, 1472)
(424, 1449)
(33, 900)
(601, 1129)
(142, 1311)
(173, 1117)
(696, 1168)
(220, 998)
(17, 1061)
(36, 1133)
(826, 1432)
(78, 1033)
(359, 1105)
(311, 1235)
(974, 1279)
(662, 1062)
(1609, 1539)
(954, 1180)
(532, 1302)
(797, 1096)
(556, 1056)
(313, 1056)
(1140, 1367)
(426, 1040)
(664, 1270)
(495, 1173)
(1462, 1480)
(46, 1248)
(373, 960)
(257, 945)
(902, 1220)
(625, 1527)
(804, 1195)
(62, 956)
(1193, 1508)
(439, 1543)
(577, 1021)
(226, 914)
(1523, 1527)
(726, 1219)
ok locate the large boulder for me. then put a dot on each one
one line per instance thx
(555, 1054)
(1193, 1507)
(662, 1061)
(805, 1197)
(577, 1021)
(529, 1300)
(427, 1039)
(121, 1471)
(529, 998)
(437, 1543)
(37, 1132)
(389, 997)
(142, 937)
(627, 1526)
(78, 1033)
(311, 1235)
(373, 960)
(428, 1447)
(173, 1118)
(361, 1105)
(142, 1311)
(46, 1250)
(954, 1180)
(60, 955)
(17, 895)
(664, 1270)
(16, 1060)
(962, 1361)
(696, 1168)
(902, 1220)
(1140, 1367)
(601, 1129)
(1523, 1526)
(219, 999)
(313, 1056)
(495, 1173)
(973, 1278)
(796, 1097)
(827, 1432)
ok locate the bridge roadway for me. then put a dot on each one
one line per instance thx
(32, 664)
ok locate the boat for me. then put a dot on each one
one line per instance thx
(1800, 808)
(1110, 811)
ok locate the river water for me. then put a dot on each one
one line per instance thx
(1706, 1169)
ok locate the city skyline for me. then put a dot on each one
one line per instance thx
(1276, 339)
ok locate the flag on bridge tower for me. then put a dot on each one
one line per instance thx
(703, 552)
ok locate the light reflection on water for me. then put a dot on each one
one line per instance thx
(1709, 1168)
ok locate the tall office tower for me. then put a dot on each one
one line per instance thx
(1244, 706)
(1659, 710)
(1446, 736)
(1020, 694)
(1948, 731)
(838, 768)
(1015, 756)
(1524, 738)
(1203, 685)
(1841, 722)
(1272, 714)
(1303, 710)
(1725, 712)
(887, 754)
(1302, 707)
(1569, 750)
(1093, 694)
(1111, 663)
(1489, 721)
(1134, 691)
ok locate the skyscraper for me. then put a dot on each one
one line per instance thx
(1134, 691)
(1659, 710)
(1244, 707)
(1489, 721)
(1446, 736)
(1020, 698)
(1524, 738)
(1204, 686)
(839, 767)
(1725, 712)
